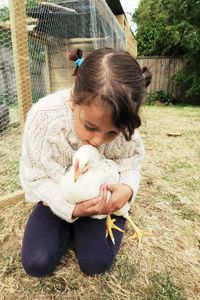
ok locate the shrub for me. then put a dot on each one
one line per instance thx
(160, 96)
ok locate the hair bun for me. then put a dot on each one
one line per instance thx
(147, 76)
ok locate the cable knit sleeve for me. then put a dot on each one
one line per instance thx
(42, 159)
(128, 156)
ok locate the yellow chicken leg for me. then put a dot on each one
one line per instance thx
(109, 226)
(139, 233)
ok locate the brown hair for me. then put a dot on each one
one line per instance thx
(75, 54)
(147, 76)
(114, 78)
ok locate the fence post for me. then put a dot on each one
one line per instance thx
(20, 56)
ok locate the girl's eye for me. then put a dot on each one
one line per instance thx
(112, 134)
(89, 128)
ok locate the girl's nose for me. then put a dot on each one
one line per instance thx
(97, 140)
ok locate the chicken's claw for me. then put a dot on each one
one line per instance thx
(109, 226)
(138, 233)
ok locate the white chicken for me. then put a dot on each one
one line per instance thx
(83, 180)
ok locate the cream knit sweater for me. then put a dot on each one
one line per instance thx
(49, 143)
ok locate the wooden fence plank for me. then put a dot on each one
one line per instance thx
(21, 56)
(163, 69)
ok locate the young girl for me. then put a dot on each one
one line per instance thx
(101, 110)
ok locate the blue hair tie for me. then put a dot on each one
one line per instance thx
(79, 62)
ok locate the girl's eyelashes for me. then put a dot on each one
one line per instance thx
(110, 134)
(113, 133)
(89, 128)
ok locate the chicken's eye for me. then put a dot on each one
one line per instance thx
(85, 169)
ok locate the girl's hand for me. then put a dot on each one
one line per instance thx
(121, 194)
(96, 206)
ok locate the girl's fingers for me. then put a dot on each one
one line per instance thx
(103, 195)
(86, 208)
(104, 192)
(96, 206)
(91, 203)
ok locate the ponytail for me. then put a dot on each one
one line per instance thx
(147, 76)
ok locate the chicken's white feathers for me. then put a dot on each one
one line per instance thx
(87, 155)
(87, 186)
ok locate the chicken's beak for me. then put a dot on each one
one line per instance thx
(76, 170)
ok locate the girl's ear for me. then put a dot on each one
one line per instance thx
(72, 105)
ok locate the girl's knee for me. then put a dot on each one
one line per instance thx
(38, 264)
(94, 266)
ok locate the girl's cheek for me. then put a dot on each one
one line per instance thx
(85, 134)
(110, 139)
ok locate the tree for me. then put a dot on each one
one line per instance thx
(172, 27)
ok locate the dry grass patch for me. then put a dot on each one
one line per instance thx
(10, 144)
(167, 267)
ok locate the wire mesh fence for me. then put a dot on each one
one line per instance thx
(9, 111)
(36, 38)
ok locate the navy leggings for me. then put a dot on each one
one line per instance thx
(47, 238)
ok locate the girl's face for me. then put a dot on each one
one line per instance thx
(93, 124)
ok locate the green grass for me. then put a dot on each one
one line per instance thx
(119, 281)
(189, 214)
(162, 288)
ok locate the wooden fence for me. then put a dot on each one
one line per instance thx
(162, 69)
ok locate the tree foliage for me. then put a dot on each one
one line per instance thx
(172, 27)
